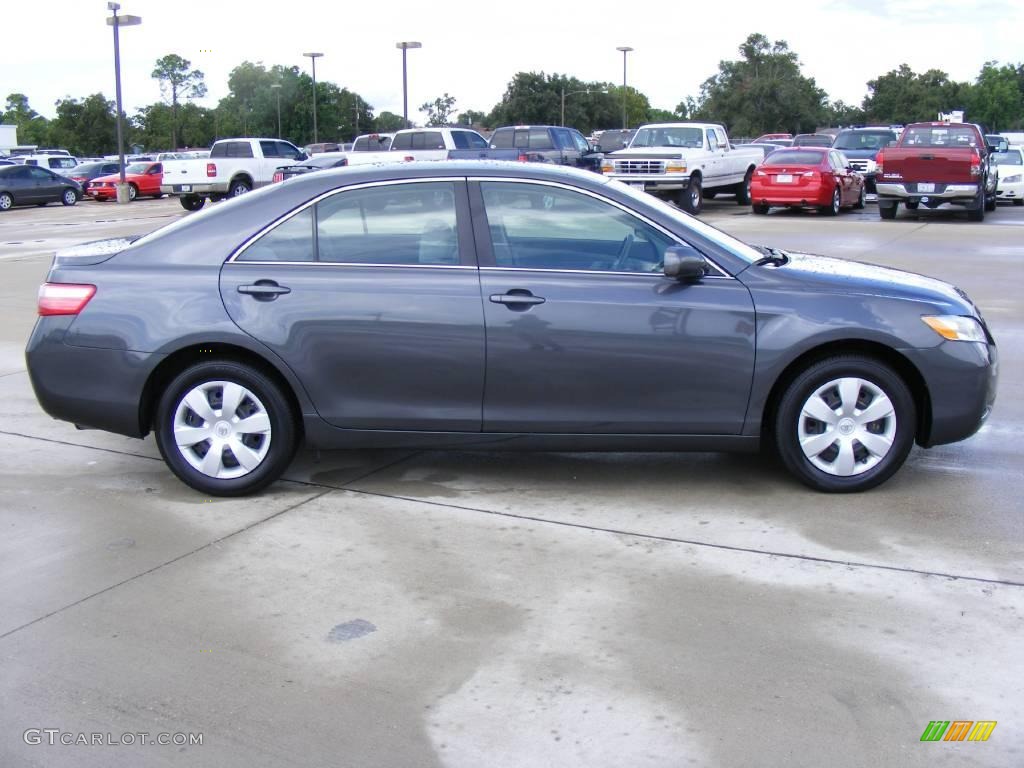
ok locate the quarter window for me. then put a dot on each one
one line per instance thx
(290, 241)
(540, 227)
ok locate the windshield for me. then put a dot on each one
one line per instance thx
(1013, 157)
(864, 139)
(691, 138)
(736, 247)
(939, 136)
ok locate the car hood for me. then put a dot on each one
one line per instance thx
(824, 273)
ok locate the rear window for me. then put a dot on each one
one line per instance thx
(502, 138)
(795, 157)
(231, 149)
(371, 143)
(61, 163)
(939, 136)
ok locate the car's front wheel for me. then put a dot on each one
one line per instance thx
(225, 428)
(69, 197)
(845, 424)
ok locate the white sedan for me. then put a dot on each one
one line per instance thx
(1011, 175)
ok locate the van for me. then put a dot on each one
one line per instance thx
(56, 163)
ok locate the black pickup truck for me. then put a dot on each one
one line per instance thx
(549, 143)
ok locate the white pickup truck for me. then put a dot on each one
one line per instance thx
(234, 167)
(429, 144)
(683, 162)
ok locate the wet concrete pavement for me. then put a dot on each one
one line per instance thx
(428, 608)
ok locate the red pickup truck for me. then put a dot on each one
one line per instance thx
(937, 163)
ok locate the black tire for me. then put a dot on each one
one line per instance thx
(874, 378)
(861, 200)
(69, 197)
(761, 208)
(743, 189)
(1018, 202)
(691, 199)
(887, 211)
(6, 201)
(833, 208)
(192, 202)
(912, 205)
(990, 204)
(239, 187)
(267, 400)
(976, 214)
(133, 192)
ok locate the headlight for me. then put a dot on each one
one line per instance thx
(1014, 179)
(956, 327)
(607, 166)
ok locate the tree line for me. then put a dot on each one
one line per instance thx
(762, 90)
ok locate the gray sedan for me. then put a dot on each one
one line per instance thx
(32, 185)
(499, 306)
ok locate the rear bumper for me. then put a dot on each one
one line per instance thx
(194, 189)
(792, 195)
(946, 192)
(87, 386)
(961, 378)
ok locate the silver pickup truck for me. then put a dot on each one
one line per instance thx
(683, 162)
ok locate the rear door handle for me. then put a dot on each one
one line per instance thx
(264, 290)
(516, 296)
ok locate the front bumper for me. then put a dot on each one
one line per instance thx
(961, 378)
(652, 183)
(1009, 192)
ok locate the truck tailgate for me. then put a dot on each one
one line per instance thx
(947, 165)
(185, 172)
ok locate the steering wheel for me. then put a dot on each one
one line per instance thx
(623, 255)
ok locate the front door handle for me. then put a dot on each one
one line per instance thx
(264, 290)
(517, 296)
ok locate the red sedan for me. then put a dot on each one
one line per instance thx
(805, 177)
(144, 179)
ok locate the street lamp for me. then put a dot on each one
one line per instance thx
(405, 79)
(276, 87)
(117, 22)
(314, 57)
(570, 93)
(625, 49)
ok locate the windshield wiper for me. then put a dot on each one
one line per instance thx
(773, 256)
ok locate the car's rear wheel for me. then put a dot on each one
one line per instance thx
(6, 201)
(990, 204)
(743, 189)
(69, 197)
(761, 208)
(225, 428)
(833, 207)
(192, 202)
(861, 200)
(845, 424)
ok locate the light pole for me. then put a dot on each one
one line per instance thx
(276, 87)
(314, 57)
(405, 79)
(117, 22)
(357, 118)
(625, 49)
(570, 93)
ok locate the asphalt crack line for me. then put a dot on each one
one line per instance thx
(12, 373)
(675, 540)
(172, 561)
(79, 445)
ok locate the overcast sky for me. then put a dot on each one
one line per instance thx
(472, 50)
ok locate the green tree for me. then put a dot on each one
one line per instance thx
(996, 99)
(840, 114)
(472, 117)
(87, 126)
(33, 128)
(764, 90)
(177, 81)
(388, 122)
(439, 111)
(903, 96)
(536, 98)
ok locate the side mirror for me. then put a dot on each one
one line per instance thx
(993, 148)
(302, 156)
(681, 264)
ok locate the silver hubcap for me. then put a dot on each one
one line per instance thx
(69, 196)
(5, 202)
(240, 190)
(847, 427)
(835, 201)
(222, 429)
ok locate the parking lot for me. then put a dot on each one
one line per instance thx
(433, 608)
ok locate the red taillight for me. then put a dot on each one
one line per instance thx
(211, 170)
(975, 164)
(879, 162)
(523, 158)
(278, 176)
(64, 298)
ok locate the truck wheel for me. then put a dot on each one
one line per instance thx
(990, 204)
(976, 214)
(691, 199)
(238, 187)
(743, 189)
(191, 202)
(887, 211)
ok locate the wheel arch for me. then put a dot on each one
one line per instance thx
(903, 367)
(242, 176)
(177, 361)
